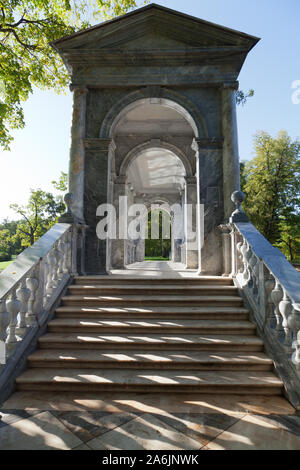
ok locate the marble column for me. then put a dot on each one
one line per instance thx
(77, 151)
(191, 222)
(96, 181)
(231, 167)
(208, 153)
(140, 250)
(118, 254)
(129, 243)
(176, 254)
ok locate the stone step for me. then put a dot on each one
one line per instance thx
(227, 382)
(156, 312)
(61, 325)
(157, 280)
(166, 300)
(151, 341)
(199, 360)
(151, 290)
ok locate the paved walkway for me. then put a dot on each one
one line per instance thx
(145, 421)
(150, 422)
(167, 269)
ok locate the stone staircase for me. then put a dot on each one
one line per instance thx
(116, 334)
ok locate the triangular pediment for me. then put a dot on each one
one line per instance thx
(155, 28)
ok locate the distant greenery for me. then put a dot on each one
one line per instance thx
(156, 258)
(4, 264)
(271, 182)
(157, 248)
(34, 219)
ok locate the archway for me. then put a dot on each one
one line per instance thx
(153, 160)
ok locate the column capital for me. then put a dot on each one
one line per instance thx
(234, 85)
(207, 143)
(225, 229)
(190, 179)
(98, 144)
(120, 179)
(84, 89)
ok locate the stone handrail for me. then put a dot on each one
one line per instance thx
(30, 286)
(271, 287)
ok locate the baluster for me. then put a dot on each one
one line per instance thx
(67, 257)
(51, 274)
(285, 309)
(244, 249)
(251, 265)
(61, 246)
(13, 307)
(276, 296)
(23, 294)
(55, 254)
(239, 256)
(31, 317)
(269, 286)
(294, 325)
(255, 273)
(48, 279)
(4, 319)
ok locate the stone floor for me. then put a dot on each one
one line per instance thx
(167, 269)
(150, 422)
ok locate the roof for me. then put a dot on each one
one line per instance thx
(152, 8)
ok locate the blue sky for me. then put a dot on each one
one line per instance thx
(41, 151)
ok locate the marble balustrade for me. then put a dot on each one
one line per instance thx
(34, 281)
(271, 287)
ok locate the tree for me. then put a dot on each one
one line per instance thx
(5, 246)
(26, 57)
(62, 184)
(160, 247)
(271, 182)
(38, 215)
(289, 242)
(10, 242)
(242, 97)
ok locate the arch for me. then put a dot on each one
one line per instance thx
(167, 98)
(136, 151)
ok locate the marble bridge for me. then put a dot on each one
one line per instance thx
(88, 326)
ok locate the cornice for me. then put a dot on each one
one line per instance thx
(97, 144)
(212, 143)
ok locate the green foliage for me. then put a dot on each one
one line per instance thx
(26, 57)
(243, 176)
(4, 264)
(5, 246)
(10, 243)
(289, 242)
(157, 248)
(39, 214)
(242, 97)
(4, 256)
(271, 182)
(62, 183)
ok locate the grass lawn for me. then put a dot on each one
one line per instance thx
(4, 264)
(156, 258)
